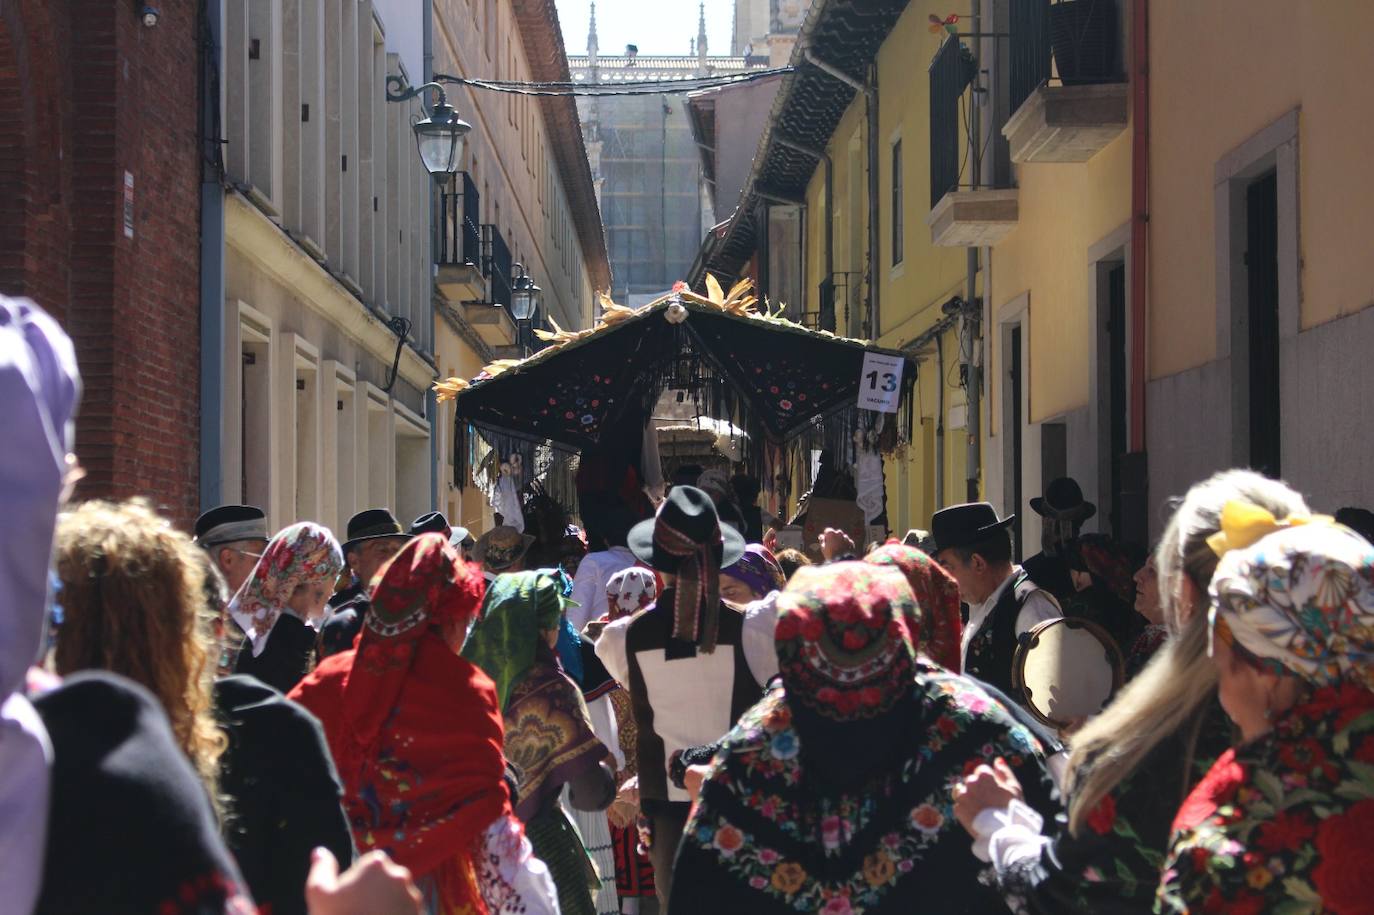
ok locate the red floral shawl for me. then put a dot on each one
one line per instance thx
(414, 729)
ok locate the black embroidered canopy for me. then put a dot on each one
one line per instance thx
(780, 382)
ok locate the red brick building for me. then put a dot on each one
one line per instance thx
(99, 224)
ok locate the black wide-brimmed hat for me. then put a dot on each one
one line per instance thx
(430, 523)
(230, 524)
(690, 513)
(1063, 501)
(965, 525)
(372, 524)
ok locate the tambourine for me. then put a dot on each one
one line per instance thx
(1066, 670)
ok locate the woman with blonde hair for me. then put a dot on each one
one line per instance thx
(1133, 764)
(134, 603)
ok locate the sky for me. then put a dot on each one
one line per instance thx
(656, 26)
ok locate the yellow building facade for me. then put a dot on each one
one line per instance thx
(1248, 364)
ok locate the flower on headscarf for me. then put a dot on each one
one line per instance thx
(927, 819)
(788, 877)
(728, 841)
(878, 869)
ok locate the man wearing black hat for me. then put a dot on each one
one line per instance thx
(1063, 510)
(973, 544)
(374, 536)
(234, 536)
(682, 660)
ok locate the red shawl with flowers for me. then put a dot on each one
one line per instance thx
(1282, 824)
(414, 729)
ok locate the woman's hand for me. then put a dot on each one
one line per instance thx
(989, 786)
(694, 778)
(374, 885)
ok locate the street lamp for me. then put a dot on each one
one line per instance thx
(439, 137)
(525, 297)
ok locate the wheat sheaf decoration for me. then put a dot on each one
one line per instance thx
(738, 301)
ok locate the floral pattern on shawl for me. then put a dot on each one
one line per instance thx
(302, 554)
(937, 594)
(548, 734)
(1282, 824)
(759, 841)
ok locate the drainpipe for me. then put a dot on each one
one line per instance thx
(431, 403)
(211, 269)
(939, 422)
(1140, 215)
(972, 319)
(874, 231)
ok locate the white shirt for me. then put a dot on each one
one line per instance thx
(589, 584)
(1039, 606)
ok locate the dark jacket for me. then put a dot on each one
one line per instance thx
(290, 646)
(350, 608)
(284, 795)
(130, 827)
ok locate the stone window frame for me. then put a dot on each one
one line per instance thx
(1272, 148)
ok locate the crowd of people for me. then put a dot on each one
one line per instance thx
(665, 712)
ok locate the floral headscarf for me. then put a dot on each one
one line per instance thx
(846, 639)
(1302, 601)
(302, 554)
(518, 607)
(937, 596)
(758, 568)
(1105, 560)
(630, 591)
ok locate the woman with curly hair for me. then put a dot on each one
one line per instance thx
(134, 603)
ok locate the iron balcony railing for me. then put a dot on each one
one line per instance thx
(837, 294)
(460, 217)
(496, 266)
(1028, 48)
(950, 74)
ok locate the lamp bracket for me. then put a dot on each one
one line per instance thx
(399, 90)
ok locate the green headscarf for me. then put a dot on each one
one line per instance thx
(518, 608)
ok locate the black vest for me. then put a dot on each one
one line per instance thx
(993, 648)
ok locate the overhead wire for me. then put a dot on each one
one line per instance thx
(635, 87)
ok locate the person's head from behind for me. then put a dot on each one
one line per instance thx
(133, 600)
(746, 489)
(1291, 613)
(979, 567)
(791, 560)
(428, 576)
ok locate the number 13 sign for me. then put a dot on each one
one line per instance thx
(880, 385)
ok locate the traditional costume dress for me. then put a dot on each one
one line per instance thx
(548, 736)
(1282, 822)
(833, 793)
(416, 733)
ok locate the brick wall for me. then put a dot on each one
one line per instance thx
(87, 93)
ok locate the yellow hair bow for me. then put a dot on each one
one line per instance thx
(1243, 525)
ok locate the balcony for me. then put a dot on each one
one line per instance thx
(459, 276)
(1068, 110)
(960, 215)
(969, 218)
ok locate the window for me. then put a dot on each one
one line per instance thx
(897, 218)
